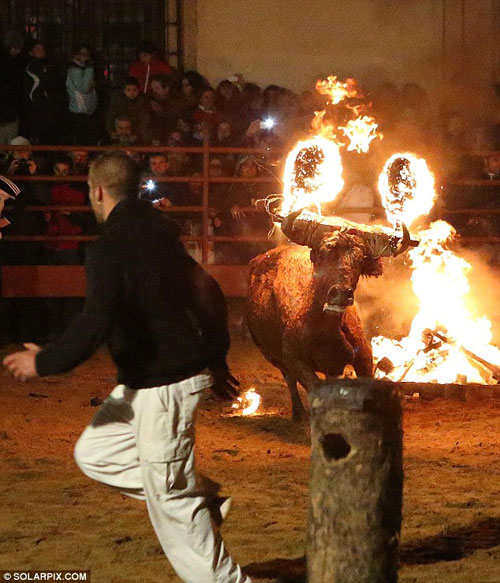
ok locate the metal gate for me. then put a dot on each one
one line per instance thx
(113, 28)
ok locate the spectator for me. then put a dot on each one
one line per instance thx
(192, 85)
(131, 104)
(228, 102)
(235, 220)
(41, 123)
(60, 311)
(20, 162)
(252, 104)
(206, 113)
(270, 100)
(80, 86)
(125, 133)
(166, 110)
(11, 85)
(147, 66)
(167, 193)
(80, 160)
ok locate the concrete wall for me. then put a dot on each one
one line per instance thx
(295, 42)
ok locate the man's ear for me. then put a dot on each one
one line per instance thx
(99, 194)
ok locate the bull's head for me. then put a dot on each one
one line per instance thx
(341, 251)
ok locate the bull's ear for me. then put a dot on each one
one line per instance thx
(371, 266)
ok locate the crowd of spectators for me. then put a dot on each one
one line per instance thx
(159, 106)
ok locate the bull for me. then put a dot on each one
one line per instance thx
(300, 308)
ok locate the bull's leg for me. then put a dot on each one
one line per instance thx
(298, 411)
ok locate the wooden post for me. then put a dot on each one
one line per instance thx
(356, 485)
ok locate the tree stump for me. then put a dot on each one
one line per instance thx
(356, 484)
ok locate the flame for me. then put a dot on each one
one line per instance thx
(248, 403)
(360, 132)
(336, 90)
(406, 186)
(313, 174)
(447, 340)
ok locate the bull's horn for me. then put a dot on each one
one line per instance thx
(308, 230)
(402, 244)
(382, 244)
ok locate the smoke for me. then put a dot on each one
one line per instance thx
(387, 303)
(484, 278)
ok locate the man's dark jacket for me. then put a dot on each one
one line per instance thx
(164, 317)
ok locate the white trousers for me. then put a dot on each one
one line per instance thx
(142, 442)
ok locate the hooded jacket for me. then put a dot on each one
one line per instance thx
(80, 88)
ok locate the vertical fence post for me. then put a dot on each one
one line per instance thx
(206, 190)
(356, 482)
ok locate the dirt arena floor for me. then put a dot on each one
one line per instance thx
(53, 517)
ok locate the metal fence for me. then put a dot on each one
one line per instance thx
(205, 239)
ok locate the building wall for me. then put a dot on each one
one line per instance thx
(295, 42)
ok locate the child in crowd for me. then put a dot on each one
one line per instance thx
(131, 104)
(80, 86)
(147, 66)
(206, 112)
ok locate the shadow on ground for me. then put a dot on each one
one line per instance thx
(452, 545)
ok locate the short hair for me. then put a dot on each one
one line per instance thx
(163, 79)
(163, 155)
(117, 173)
(78, 47)
(63, 159)
(131, 81)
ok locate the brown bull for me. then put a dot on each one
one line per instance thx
(300, 303)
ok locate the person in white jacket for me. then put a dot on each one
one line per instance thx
(80, 85)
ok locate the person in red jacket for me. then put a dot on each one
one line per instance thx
(148, 65)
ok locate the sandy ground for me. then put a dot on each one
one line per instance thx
(53, 517)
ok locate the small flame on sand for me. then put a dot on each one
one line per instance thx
(248, 403)
(447, 340)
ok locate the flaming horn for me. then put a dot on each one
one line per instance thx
(310, 229)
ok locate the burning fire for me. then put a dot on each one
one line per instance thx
(313, 169)
(360, 132)
(336, 90)
(248, 403)
(447, 342)
(313, 174)
(406, 186)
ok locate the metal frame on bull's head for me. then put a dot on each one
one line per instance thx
(310, 228)
(347, 248)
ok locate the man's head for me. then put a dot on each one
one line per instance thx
(160, 86)
(158, 164)
(123, 126)
(63, 166)
(131, 88)
(146, 52)
(37, 50)
(21, 154)
(113, 176)
(81, 53)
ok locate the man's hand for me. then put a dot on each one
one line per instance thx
(23, 364)
(225, 385)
